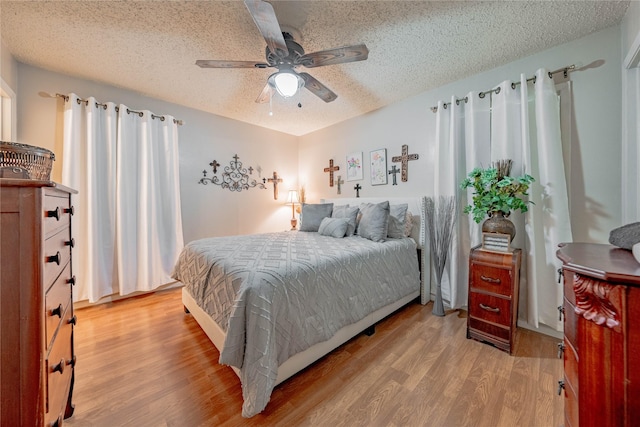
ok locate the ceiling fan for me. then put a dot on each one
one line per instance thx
(286, 55)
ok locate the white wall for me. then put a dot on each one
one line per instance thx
(596, 150)
(631, 114)
(206, 210)
(8, 67)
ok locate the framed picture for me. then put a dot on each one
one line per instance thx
(378, 166)
(354, 166)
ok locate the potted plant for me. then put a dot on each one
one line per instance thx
(496, 195)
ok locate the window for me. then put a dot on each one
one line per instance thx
(7, 112)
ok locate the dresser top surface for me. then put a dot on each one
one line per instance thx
(605, 262)
(10, 182)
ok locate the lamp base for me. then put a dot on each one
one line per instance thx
(294, 223)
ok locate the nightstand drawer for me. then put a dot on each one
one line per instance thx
(57, 300)
(491, 279)
(490, 308)
(486, 331)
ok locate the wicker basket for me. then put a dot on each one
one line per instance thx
(33, 162)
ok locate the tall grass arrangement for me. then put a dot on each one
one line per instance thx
(440, 221)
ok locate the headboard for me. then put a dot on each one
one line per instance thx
(417, 207)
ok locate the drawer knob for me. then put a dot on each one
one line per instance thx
(560, 387)
(70, 210)
(491, 309)
(73, 320)
(54, 214)
(72, 362)
(56, 311)
(560, 312)
(71, 243)
(560, 274)
(58, 367)
(560, 350)
(490, 279)
(55, 258)
(72, 280)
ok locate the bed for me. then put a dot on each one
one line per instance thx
(249, 293)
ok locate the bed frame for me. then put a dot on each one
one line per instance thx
(301, 360)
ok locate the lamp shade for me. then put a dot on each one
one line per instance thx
(292, 197)
(286, 82)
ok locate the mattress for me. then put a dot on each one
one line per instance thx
(277, 294)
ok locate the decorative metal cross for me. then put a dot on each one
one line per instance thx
(357, 188)
(339, 182)
(214, 165)
(331, 169)
(394, 171)
(250, 170)
(275, 180)
(404, 159)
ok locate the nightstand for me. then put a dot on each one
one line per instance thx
(494, 280)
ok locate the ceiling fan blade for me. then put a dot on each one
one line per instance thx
(338, 55)
(265, 95)
(267, 22)
(212, 63)
(317, 88)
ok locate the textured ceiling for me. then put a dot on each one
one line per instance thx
(150, 47)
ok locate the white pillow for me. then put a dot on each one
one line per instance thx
(333, 227)
(312, 215)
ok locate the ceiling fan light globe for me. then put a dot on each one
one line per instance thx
(287, 84)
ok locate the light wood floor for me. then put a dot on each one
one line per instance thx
(144, 362)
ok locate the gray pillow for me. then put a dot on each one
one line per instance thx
(374, 221)
(333, 227)
(312, 215)
(350, 214)
(397, 219)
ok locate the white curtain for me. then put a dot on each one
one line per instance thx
(510, 124)
(128, 225)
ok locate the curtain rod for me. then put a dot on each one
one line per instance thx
(564, 70)
(129, 111)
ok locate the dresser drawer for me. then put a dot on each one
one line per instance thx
(59, 367)
(490, 308)
(56, 212)
(569, 280)
(570, 324)
(57, 253)
(491, 279)
(57, 301)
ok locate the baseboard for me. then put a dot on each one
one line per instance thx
(117, 297)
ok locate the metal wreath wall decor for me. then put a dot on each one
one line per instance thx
(234, 177)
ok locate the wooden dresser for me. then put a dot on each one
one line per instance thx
(601, 335)
(494, 281)
(36, 310)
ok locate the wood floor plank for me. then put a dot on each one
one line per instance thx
(142, 361)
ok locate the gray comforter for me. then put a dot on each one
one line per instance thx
(277, 294)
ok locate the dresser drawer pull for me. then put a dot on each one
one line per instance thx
(56, 311)
(560, 387)
(71, 242)
(560, 312)
(72, 280)
(490, 279)
(55, 258)
(70, 210)
(59, 367)
(73, 320)
(560, 350)
(54, 214)
(491, 309)
(72, 362)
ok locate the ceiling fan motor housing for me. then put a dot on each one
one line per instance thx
(295, 51)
